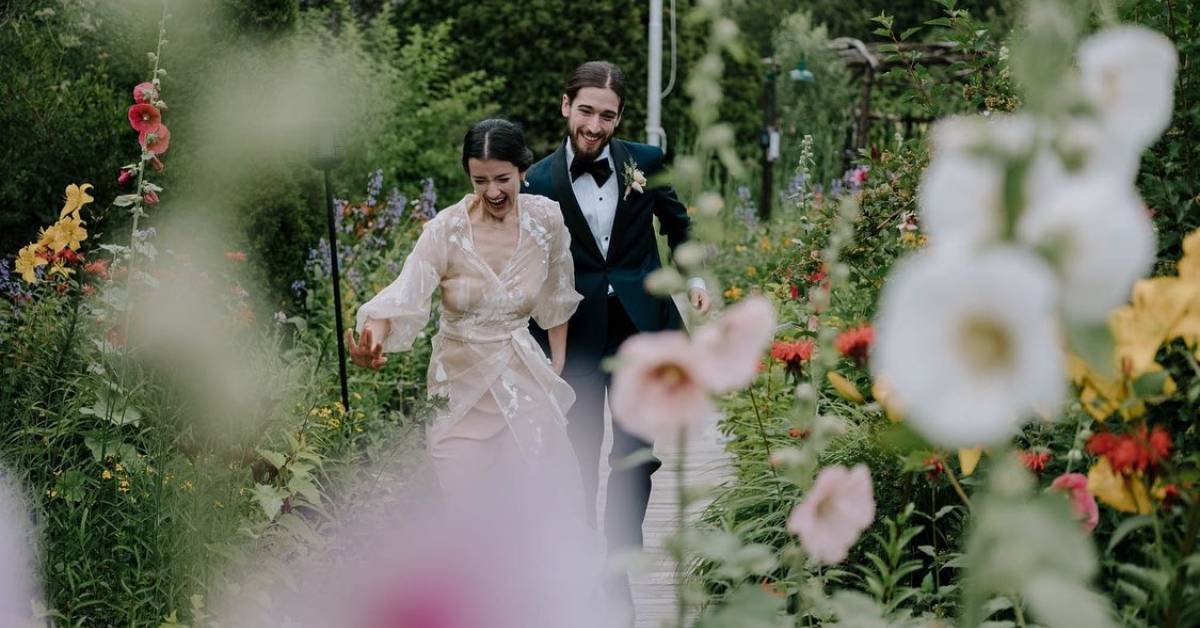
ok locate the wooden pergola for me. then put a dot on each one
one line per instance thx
(871, 60)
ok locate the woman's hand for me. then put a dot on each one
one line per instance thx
(366, 352)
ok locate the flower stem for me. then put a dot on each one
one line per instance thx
(1189, 545)
(681, 512)
(957, 487)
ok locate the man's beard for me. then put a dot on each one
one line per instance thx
(585, 153)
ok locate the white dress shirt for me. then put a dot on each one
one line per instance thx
(598, 203)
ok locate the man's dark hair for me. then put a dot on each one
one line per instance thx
(600, 74)
(499, 139)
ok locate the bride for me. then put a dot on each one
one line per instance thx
(499, 257)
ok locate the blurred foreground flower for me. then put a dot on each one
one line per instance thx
(733, 344)
(660, 387)
(1083, 504)
(834, 512)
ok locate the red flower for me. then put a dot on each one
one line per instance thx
(69, 256)
(1139, 450)
(125, 177)
(150, 197)
(235, 256)
(796, 432)
(796, 352)
(1160, 443)
(89, 289)
(145, 93)
(935, 467)
(98, 268)
(116, 337)
(144, 118)
(794, 291)
(855, 343)
(156, 164)
(1034, 460)
(156, 140)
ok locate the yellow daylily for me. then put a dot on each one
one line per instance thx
(844, 387)
(27, 263)
(1189, 264)
(1126, 493)
(76, 198)
(68, 232)
(883, 395)
(968, 459)
(1158, 307)
(61, 270)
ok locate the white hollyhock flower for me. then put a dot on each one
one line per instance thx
(1096, 231)
(968, 343)
(962, 191)
(1128, 73)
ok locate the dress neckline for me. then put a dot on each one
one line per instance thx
(467, 200)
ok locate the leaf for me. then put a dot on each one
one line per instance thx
(125, 200)
(1150, 384)
(276, 459)
(1123, 530)
(909, 32)
(1095, 344)
(269, 498)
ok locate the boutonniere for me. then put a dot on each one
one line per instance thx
(634, 179)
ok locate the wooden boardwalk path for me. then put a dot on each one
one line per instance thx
(705, 464)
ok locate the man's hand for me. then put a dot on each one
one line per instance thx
(366, 352)
(699, 299)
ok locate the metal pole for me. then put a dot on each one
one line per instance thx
(768, 159)
(337, 292)
(654, 83)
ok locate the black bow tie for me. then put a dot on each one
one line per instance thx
(598, 168)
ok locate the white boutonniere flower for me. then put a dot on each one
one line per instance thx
(634, 179)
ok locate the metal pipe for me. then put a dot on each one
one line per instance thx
(654, 83)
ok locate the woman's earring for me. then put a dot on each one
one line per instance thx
(525, 181)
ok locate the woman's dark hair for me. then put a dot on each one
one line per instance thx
(499, 139)
(600, 74)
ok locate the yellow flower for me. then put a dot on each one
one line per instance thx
(968, 459)
(844, 387)
(740, 248)
(1154, 316)
(76, 198)
(106, 475)
(27, 263)
(751, 271)
(70, 233)
(733, 294)
(883, 395)
(187, 485)
(764, 244)
(1189, 264)
(1126, 493)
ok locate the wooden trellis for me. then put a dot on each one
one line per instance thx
(871, 60)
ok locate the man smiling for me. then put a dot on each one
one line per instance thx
(598, 181)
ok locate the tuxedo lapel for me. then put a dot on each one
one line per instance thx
(564, 193)
(619, 159)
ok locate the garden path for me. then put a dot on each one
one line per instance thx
(706, 463)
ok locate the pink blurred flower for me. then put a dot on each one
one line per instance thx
(145, 93)
(658, 389)
(156, 140)
(150, 197)
(732, 346)
(125, 177)
(836, 510)
(144, 118)
(1083, 503)
(157, 165)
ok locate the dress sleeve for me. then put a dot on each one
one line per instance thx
(558, 299)
(404, 303)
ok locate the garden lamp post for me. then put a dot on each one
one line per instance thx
(327, 154)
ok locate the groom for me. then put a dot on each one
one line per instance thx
(595, 179)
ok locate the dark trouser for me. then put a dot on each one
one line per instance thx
(628, 487)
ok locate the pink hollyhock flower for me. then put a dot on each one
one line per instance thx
(836, 510)
(157, 140)
(1083, 503)
(145, 93)
(144, 118)
(732, 346)
(150, 197)
(658, 389)
(125, 177)
(157, 165)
